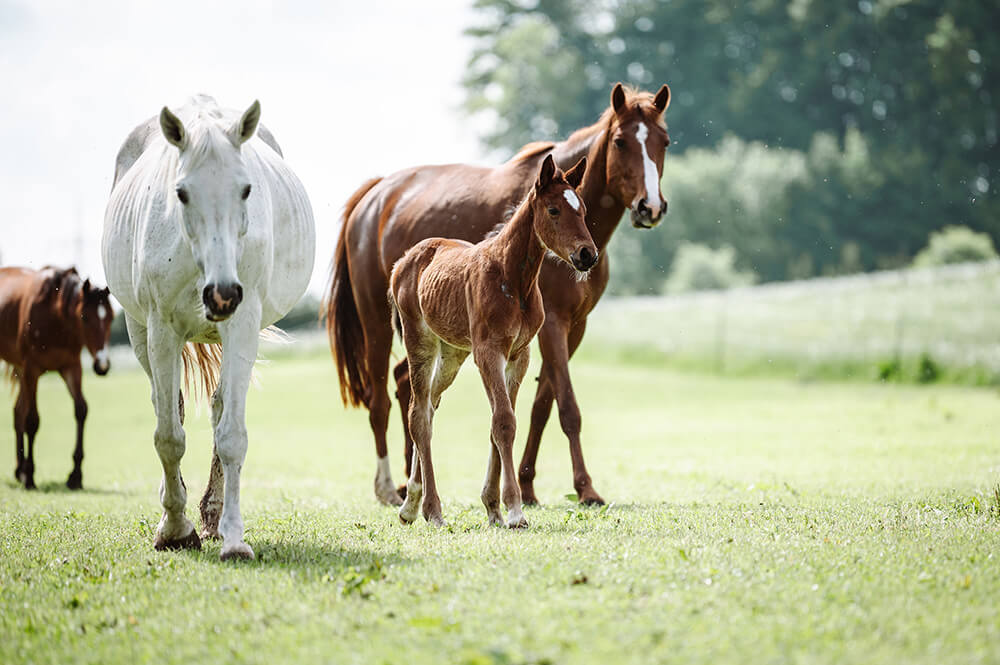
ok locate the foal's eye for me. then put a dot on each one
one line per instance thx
(246, 193)
(182, 195)
(619, 142)
(553, 211)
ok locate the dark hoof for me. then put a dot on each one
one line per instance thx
(189, 542)
(401, 491)
(530, 500)
(75, 481)
(591, 498)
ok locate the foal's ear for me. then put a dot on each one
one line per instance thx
(86, 286)
(173, 129)
(545, 173)
(242, 130)
(618, 98)
(575, 175)
(662, 99)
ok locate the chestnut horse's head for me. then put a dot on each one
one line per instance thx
(560, 214)
(212, 187)
(95, 313)
(636, 144)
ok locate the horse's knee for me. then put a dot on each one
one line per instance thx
(80, 410)
(169, 443)
(569, 418)
(31, 422)
(504, 426)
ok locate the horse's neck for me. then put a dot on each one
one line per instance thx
(603, 210)
(520, 252)
(567, 153)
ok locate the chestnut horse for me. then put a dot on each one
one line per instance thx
(453, 298)
(386, 216)
(46, 318)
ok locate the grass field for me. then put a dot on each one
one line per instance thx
(753, 520)
(850, 327)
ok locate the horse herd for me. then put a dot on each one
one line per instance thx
(209, 239)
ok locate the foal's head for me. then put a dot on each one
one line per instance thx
(560, 215)
(95, 313)
(637, 142)
(212, 188)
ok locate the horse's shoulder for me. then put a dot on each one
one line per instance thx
(134, 145)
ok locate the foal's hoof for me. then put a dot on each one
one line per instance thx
(75, 481)
(188, 542)
(528, 497)
(407, 517)
(388, 496)
(517, 522)
(589, 497)
(435, 520)
(240, 551)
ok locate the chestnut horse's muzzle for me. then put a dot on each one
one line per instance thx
(221, 300)
(583, 259)
(102, 364)
(644, 217)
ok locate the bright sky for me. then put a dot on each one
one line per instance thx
(350, 90)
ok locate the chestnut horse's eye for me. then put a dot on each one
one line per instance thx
(246, 193)
(182, 195)
(619, 142)
(553, 211)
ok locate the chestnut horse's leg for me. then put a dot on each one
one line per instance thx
(211, 501)
(557, 342)
(26, 424)
(498, 376)
(540, 410)
(73, 378)
(378, 338)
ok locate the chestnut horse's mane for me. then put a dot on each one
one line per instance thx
(62, 284)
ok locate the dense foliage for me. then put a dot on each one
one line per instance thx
(861, 128)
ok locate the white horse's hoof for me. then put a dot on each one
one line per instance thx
(238, 551)
(183, 538)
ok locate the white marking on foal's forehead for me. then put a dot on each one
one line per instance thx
(571, 199)
(642, 132)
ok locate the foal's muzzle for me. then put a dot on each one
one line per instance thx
(583, 259)
(644, 217)
(221, 300)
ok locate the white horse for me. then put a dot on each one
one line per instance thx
(208, 238)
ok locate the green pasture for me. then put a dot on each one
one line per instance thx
(752, 520)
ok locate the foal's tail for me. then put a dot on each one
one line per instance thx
(343, 324)
(202, 366)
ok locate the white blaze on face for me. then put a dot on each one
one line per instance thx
(571, 199)
(102, 358)
(651, 176)
(101, 312)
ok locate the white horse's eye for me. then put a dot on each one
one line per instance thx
(182, 195)
(246, 193)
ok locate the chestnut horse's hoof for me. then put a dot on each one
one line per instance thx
(240, 551)
(188, 542)
(75, 481)
(387, 495)
(589, 497)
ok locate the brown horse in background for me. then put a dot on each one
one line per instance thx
(46, 318)
(386, 216)
(453, 298)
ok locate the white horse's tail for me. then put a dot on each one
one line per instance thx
(203, 363)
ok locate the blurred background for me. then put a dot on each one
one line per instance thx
(848, 148)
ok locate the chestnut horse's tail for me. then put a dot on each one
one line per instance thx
(343, 324)
(202, 366)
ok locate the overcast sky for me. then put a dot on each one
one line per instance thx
(350, 90)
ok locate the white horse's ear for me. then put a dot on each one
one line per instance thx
(173, 129)
(241, 132)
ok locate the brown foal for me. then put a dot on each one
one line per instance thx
(453, 298)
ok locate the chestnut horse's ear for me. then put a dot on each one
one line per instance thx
(662, 100)
(618, 98)
(243, 129)
(545, 173)
(173, 129)
(86, 286)
(575, 175)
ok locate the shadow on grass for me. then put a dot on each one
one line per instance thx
(58, 487)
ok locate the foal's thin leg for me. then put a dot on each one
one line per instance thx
(26, 425)
(73, 377)
(239, 342)
(492, 368)
(175, 530)
(401, 373)
(422, 350)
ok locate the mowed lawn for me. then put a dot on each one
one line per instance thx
(751, 520)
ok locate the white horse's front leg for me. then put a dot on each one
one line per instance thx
(175, 530)
(239, 347)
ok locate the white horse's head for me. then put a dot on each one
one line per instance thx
(212, 187)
